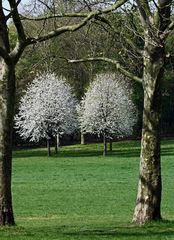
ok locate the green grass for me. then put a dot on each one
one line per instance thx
(79, 194)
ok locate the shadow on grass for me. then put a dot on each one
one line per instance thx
(169, 151)
(125, 233)
(164, 229)
(155, 231)
(123, 153)
(76, 153)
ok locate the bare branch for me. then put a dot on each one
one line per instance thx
(74, 27)
(145, 12)
(63, 15)
(126, 39)
(46, 5)
(17, 20)
(94, 13)
(163, 17)
(10, 12)
(168, 30)
(108, 60)
(4, 41)
(59, 31)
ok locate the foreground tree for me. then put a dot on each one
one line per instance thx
(48, 109)
(154, 27)
(107, 109)
(10, 53)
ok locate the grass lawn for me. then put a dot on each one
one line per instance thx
(79, 194)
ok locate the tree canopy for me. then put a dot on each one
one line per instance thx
(48, 108)
(107, 109)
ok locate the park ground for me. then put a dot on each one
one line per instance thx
(79, 194)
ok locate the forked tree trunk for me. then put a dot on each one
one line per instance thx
(149, 188)
(7, 93)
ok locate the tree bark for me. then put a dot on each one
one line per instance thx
(57, 143)
(104, 145)
(48, 147)
(7, 100)
(56, 150)
(149, 188)
(82, 136)
(110, 145)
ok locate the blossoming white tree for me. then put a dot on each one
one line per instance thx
(47, 109)
(107, 109)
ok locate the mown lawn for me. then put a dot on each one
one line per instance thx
(79, 194)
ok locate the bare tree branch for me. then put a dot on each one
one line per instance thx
(108, 60)
(17, 20)
(4, 41)
(127, 40)
(63, 15)
(74, 27)
(46, 5)
(114, 6)
(145, 12)
(168, 30)
(163, 14)
(59, 31)
(10, 12)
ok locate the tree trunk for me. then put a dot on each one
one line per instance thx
(48, 147)
(110, 145)
(7, 100)
(82, 138)
(56, 150)
(104, 145)
(57, 143)
(149, 188)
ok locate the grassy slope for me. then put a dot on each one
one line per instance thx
(79, 194)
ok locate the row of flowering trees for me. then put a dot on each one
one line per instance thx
(49, 109)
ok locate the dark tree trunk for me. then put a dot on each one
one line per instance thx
(104, 145)
(48, 147)
(110, 145)
(56, 149)
(7, 93)
(149, 188)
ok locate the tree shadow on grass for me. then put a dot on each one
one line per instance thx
(123, 152)
(158, 230)
(77, 153)
(25, 153)
(169, 151)
(147, 231)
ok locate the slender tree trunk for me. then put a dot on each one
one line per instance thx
(56, 149)
(149, 188)
(110, 145)
(48, 147)
(7, 100)
(82, 138)
(57, 143)
(104, 145)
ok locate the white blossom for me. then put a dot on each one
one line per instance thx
(48, 108)
(107, 107)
